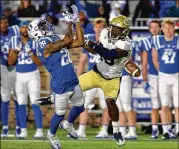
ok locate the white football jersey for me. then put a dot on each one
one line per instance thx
(113, 68)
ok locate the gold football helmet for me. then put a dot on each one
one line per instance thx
(119, 27)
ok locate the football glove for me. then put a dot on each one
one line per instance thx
(147, 87)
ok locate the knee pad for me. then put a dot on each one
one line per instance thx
(118, 103)
(33, 97)
(102, 104)
(60, 111)
(21, 99)
(127, 107)
(5, 95)
(155, 103)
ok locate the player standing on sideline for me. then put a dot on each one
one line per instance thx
(64, 83)
(98, 25)
(8, 76)
(165, 54)
(22, 53)
(125, 108)
(151, 82)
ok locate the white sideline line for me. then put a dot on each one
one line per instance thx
(38, 141)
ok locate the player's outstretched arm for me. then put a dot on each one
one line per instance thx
(104, 52)
(56, 46)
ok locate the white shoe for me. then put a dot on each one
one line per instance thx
(23, 134)
(79, 134)
(55, 143)
(130, 136)
(69, 128)
(102, 134)
(39, 134)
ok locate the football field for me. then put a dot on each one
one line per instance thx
(143, 142)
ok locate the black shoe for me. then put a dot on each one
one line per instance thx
(119, 139)
(46, 100)
(165, 136)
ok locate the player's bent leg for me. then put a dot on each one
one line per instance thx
(77, 101)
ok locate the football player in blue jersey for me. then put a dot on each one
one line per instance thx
(22, 53)
(98, 25)
(53, 53)
(165, 55)
(151, 82)
(8, 75)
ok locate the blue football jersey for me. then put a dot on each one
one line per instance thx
(24, 62)
(167, 53)
(5, 41)
(59, 65)
(92, 58)
(146, 45)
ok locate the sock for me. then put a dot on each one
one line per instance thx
(123, 130)
(22, 116)
(177, 127)
(115, 127)
(4, 113)
(55, 121)
(154, 127)
(132, 129)
(169, 126)
(75, 112)
(165, 128)
(105, 128)
(17, 114)
(37, 115)
(82, 128)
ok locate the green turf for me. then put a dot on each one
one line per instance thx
(143, 142)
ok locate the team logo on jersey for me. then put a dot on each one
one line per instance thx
(126, 22)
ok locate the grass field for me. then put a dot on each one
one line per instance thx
(143, 142)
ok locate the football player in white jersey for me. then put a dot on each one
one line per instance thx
(23, 54)
(165, 54)
(98, 25)
(8, 76)
(115, 50)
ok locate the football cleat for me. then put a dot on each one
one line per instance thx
(130, 136)
(55, 143)
(102, 134)
(23, 134)
(171, 134)
(165, 136)
(4, 133)
(39, 134)
(155, 134)
(69, 128)
(119, 139)
(80, 134)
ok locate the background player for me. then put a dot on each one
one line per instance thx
(151, 80)
(22, 53)
(64, 83)
(165, 59)
(98, 25)
(8, 76)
